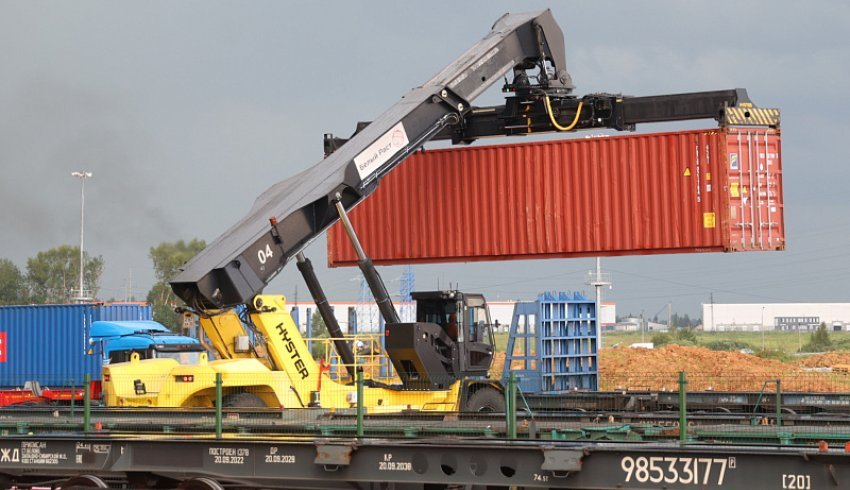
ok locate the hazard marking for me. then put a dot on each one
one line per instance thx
(708, 176)
(708, 220)
(687, 172)
(733, 190)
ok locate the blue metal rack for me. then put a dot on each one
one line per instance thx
(552, 345)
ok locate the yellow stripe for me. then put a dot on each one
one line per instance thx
(762, 117)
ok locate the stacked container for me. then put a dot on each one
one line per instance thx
(553, 344)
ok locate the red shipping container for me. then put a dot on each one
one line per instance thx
(690, 191)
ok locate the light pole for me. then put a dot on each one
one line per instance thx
(83, 175)
(762, 328)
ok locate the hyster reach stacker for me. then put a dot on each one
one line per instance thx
(441, 359)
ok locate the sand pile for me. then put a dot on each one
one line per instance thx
(658, 369)
(827, 359)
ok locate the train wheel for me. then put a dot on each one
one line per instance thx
(200, 484)
(486, 399)
(84, 481)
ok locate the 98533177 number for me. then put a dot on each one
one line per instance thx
(685, 471)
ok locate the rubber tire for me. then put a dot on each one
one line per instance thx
(486, 399)
(200, 483)
(243, 400)
(84, 481)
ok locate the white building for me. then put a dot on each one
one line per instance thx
(774, 316)
(368, 316)
(634, 324)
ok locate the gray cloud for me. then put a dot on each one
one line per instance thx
(186, 112)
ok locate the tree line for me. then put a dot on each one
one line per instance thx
(53, 277)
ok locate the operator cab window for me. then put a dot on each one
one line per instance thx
(478, 320)
(124, 355)
(442, 313)
(183, 357)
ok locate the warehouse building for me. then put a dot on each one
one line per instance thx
(364, 317)
(775, 316)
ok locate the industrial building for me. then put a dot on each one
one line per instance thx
(364, 317)
(756, 317)
(634, 324)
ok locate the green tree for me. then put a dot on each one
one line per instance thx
(13, 286)
(819, 341)
(686, 335)
(167, 259)
(660, 339)
(53, 275)
(319, 331)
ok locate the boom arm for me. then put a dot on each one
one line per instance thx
(292, 213)
(523, 115)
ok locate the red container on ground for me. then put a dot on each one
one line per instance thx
(717, 190)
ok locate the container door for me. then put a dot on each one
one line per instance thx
(756, 217)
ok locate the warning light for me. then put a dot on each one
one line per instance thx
(184, 378)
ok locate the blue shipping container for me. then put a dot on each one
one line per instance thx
(50, 343)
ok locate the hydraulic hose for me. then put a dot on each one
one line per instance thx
(555, 123)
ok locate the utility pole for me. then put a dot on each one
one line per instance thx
(712, 311)
(82, 297)
(598, 280)
(128, 289)
(762, 329)
(669, 316)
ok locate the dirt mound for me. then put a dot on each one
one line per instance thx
(827, 359)
(653, 369)
(658, 369)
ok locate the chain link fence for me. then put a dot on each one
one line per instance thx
(744, 408)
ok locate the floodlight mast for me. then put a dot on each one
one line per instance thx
(82, 297)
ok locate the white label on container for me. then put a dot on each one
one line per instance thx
(379, 152)
(733, 161)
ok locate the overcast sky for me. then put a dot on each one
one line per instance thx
(186, 111)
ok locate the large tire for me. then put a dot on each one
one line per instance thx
(486, 399)
(243, 400)
(201, 483)
(84, 481)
